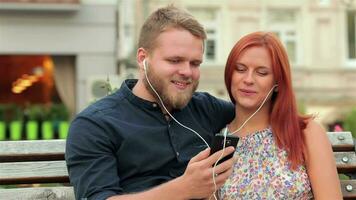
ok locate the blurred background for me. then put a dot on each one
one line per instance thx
(57, 55)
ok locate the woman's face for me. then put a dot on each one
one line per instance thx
(252, 78)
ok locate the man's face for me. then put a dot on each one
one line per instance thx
(173, 67)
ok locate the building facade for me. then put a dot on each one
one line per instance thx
(319, 36)
(79, 35)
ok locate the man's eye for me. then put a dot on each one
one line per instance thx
(195, 64)
(174, 61)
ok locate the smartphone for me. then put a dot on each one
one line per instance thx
(218, 143)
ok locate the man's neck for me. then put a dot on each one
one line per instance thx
(141, 91)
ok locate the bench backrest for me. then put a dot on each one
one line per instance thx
(344, 151)
(34, 161)
(42, 161)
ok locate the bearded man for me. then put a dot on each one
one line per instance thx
(149, 139)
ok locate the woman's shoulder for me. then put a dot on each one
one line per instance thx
(316, 139)
(313, 128)
(313, 131)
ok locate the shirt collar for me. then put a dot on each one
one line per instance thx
(126, 89)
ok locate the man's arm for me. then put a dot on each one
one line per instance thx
(195, 183)
(91, 162)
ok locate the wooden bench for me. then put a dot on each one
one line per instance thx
(42, 161)
(34, 161)
(344, 151)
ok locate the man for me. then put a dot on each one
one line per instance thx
(128, 146)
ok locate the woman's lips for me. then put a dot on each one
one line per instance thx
(246, 92)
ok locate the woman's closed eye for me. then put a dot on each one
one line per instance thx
(262, 72)
(241, 68)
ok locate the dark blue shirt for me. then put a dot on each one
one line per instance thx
(124, 144)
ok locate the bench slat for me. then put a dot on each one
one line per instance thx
(347, 191)
(32, 150)
(44, 193)
(341, 141)
(33, 172)
(345, 161)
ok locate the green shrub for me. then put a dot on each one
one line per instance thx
(15, 112)
(3, 108)
(35, 112)
(58, 112)
(301, 107)
(350, 122)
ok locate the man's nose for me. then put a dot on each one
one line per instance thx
(185, 69)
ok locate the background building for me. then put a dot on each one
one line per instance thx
(69, 48)
(80, 37)
(320, 37)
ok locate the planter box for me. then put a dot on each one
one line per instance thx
(47, 130)
(32, 130)
(16, 130)
(2, 130)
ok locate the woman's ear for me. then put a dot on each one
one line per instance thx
(275, 88)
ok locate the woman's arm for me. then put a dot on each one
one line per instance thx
(320, 163)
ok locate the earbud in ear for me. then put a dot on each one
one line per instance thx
(275, 88)
(144, 64)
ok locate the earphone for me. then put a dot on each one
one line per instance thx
(144, 65)
(258, 109)
(225, 132)
(274, 87)
(164, 107)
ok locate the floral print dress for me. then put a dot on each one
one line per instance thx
(262, 172)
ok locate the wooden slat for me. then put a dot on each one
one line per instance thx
(45, 193)
(345, 161)
(341, 141)
(33, 172)
(348, 185)
(32, 150)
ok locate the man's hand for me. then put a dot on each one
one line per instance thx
(198, 177)
(195, 183)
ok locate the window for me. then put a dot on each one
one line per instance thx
(288, 38)
(209, 18)
(283, 24)
(324, 2)
(210, 45)
(351, 35)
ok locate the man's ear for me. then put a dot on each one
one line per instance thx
(141, 55)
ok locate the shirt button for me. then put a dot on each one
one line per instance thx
(167, 117)
(177, 154)
(154, 105)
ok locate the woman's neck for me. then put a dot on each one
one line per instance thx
(259, 121)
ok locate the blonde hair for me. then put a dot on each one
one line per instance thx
(165, 18)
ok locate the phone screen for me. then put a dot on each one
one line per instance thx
(218, 143)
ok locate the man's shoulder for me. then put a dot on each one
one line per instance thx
(207, 102)
(205, 97)
(103, 106)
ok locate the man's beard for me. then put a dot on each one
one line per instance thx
(177, 100)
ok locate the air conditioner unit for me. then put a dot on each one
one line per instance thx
(101, 85)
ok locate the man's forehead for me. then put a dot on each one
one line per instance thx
(179, 49)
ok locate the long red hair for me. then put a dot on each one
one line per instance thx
(287, 125)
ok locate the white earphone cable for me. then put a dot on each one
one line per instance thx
(164, 107)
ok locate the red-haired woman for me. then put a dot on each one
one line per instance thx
(281, 154)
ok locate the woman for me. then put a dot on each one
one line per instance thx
(281, 154)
